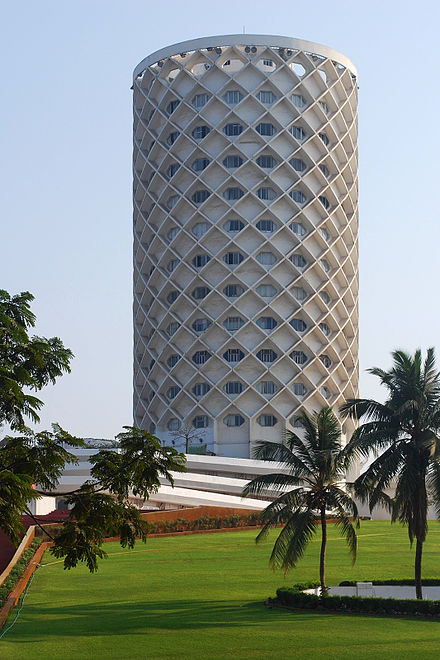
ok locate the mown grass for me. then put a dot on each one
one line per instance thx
(201, 596)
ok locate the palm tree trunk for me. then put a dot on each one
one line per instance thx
(418, 568)
(323, 548)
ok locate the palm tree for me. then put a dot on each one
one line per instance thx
(404, 431)
(312, 483)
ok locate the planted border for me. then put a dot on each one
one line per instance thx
(205, 522)
(157, 527)
(429, 582)
(295, 598)
(17, 571)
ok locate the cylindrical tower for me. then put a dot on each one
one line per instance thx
(245, 238)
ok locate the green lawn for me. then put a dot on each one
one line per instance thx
(201, 596)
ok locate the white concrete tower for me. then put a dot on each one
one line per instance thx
(245, 237)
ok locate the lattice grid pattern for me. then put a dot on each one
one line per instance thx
(245, 241)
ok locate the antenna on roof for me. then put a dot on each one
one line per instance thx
(244, 29)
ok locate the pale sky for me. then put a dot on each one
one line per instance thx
(65, 122)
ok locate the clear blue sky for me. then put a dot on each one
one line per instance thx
(65, 122)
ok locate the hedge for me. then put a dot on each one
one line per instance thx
(17, 571)
(429, 582)
(180, 525)
(295, 597)
(206, 522)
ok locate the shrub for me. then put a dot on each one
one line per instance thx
(294, 597)
(17, 571)
(204, 522)
(430, 582)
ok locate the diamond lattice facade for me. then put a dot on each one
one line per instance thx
(245, 237)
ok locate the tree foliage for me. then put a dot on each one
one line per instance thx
(100, 507)
(310, 486)
(26, 362)
(25, 460)
(31, 463)
(403, 433)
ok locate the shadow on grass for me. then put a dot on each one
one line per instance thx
(43, 623)
(139, 618)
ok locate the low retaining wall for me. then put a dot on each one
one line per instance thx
(23, 581)
(171, 515)
(111, 539)
(25, 543)
(168, 515)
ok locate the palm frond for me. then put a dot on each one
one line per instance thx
(370, 438)
(346, 527)
(273, 483)
(293, 538)
(328, 430)
(368, 408)
(379, 475)
(301, 448)
(322, 441)
(379, 498)
(279, 511)
(429, 370)
(279, 453)
(343, 499)
(411, 498)
(434, 486)
(309, 424)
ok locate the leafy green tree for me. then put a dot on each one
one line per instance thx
(31, 463)
(100, 507)
(26, 363)
(310, 486)
(25, 460)
(405, 432)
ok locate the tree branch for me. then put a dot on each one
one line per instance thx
(40, 526)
